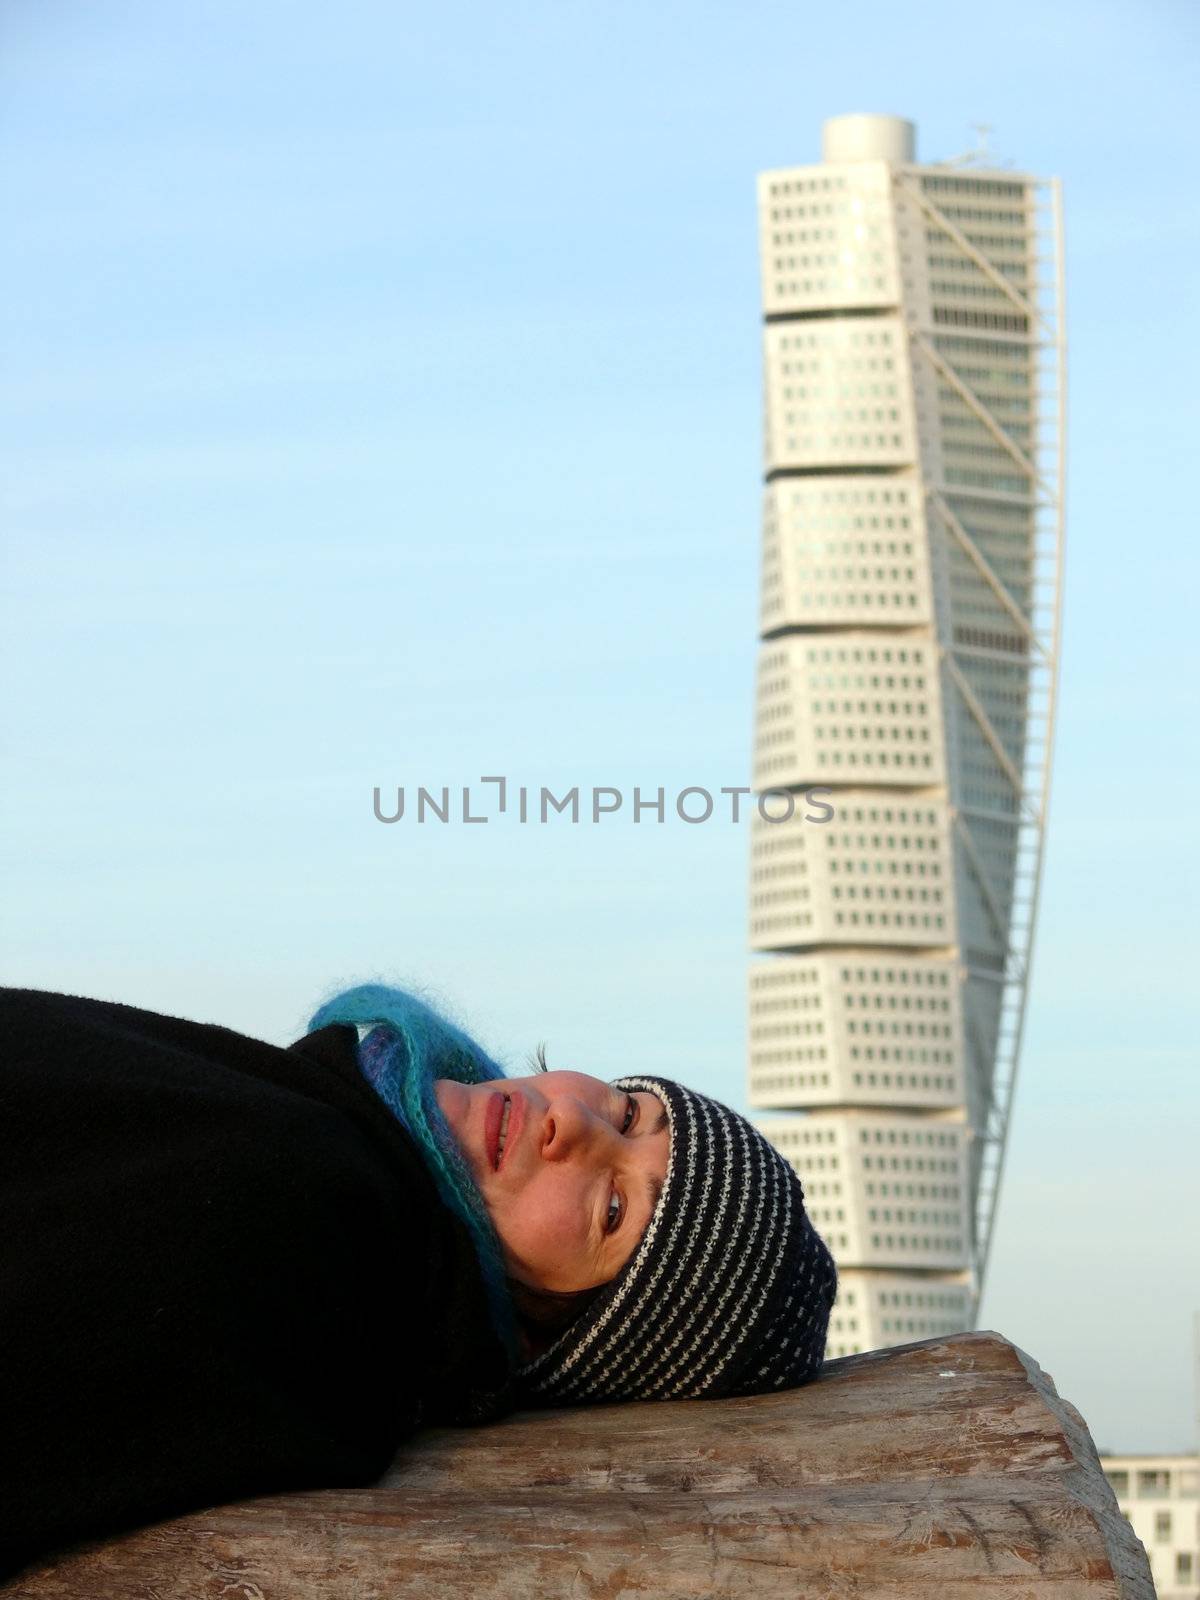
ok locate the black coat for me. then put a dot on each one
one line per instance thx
(224, 1271)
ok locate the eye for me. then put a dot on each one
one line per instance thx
(631, 1110)
(613, 1220)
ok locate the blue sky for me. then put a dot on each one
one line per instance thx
(381, 406)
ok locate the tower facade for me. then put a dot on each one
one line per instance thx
(914, 364)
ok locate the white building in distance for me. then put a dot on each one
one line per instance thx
(911, 574)
(1161, 1497)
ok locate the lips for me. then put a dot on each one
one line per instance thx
(492, 1119)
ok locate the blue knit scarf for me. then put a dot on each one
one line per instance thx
(409, 1047)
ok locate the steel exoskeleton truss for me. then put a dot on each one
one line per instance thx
(1040, 627)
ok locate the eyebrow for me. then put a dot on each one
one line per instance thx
(654, 1184)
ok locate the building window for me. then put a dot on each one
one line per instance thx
(1184, 1566)
(1153, 1484)
(1162, 1527)
(1118, 1481)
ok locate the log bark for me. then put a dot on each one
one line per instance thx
(949, 1468)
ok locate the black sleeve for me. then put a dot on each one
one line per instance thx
(212, 1282)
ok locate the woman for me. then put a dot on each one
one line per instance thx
(232, 1269)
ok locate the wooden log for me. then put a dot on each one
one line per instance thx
(948, 1468)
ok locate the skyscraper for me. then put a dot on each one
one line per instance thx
(911, 576)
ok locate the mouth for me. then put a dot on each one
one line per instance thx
(502, 1122)
(502, 1141)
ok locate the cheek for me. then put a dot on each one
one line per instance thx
(543, 1226)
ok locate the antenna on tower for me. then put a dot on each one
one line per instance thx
(980, 154)
(982, 151)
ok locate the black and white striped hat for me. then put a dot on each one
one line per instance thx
(729, 1291)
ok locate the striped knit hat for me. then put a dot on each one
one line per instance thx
(729, 1291)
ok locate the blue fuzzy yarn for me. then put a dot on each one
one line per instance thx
(410, 1046)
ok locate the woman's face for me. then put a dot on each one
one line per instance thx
(580, 1170)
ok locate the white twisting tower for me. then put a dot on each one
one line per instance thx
(915, 388)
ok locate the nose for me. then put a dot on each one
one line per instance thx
(569, 1128)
